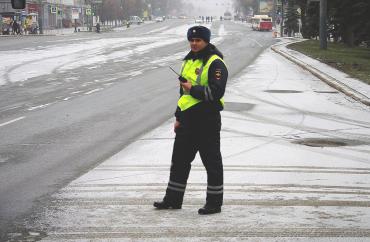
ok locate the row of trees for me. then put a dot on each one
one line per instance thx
(112, 10)
(244, 6)
(348, 21)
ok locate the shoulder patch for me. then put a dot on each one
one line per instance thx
(218, 74)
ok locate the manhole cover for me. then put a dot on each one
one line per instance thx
(234, 106)
(327, 142)
(282, 91)
(330, 92)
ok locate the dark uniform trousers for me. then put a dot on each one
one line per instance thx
(197, 132)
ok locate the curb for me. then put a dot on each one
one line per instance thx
(325, 78)
(25, 35)
(35, 35)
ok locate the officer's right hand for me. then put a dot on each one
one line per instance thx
(176, 126)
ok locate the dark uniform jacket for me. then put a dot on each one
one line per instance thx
(217, 78)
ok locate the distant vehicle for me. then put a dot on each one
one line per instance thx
(135, 20)
(159, 19)
(261, 23)
(198, 20)
(227, 15)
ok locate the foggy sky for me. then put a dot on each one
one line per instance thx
(210, 7)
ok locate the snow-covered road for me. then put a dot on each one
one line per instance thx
(296, 160)
(70, 102)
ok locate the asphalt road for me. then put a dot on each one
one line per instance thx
(57, 126)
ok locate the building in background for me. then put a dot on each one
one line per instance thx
(266, 7)
(52, 14)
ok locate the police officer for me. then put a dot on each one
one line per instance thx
(198, 122)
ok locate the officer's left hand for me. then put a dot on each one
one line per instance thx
(186, 86)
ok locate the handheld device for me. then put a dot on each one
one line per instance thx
(181, 79)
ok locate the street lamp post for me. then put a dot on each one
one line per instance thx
(149, 11)
(282, 19)
(323, 30)
(41, 16)
(274, 13)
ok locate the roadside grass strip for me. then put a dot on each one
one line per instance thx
(353, 61)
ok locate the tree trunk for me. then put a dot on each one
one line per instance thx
(305, 33)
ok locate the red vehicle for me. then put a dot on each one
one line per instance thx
(261, 23)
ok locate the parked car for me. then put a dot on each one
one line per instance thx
(135, 20)
(159, 19)
(227, 15)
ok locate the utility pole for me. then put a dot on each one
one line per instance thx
(282, 19)
(41, 17)
(274, 13)
(323, 28)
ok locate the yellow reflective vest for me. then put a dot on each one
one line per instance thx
(197, 73)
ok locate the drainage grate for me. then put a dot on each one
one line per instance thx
(282, 91)
(235, 107)
(327, 142)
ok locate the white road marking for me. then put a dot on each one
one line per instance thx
(40, 106)
(86, 84)
(108, 79)
(92, 67)
(135, 73)
(92, 91)
(73, 78)
(7, 109)
(12, 121)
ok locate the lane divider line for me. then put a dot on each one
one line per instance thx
(92, 91)
(12, 121)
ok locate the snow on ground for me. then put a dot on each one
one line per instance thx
(274, 187)
(342, 77)
(20, 65)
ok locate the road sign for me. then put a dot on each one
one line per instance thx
(88, 11)
(53, 9)
(75, 13)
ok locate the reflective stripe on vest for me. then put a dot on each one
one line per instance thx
(197, 73)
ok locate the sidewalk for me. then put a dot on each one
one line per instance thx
(352, 87)
(70, 31)
(278, 185)
(50, 32)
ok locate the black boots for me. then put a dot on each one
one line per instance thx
(166, 205)
(207, 209)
